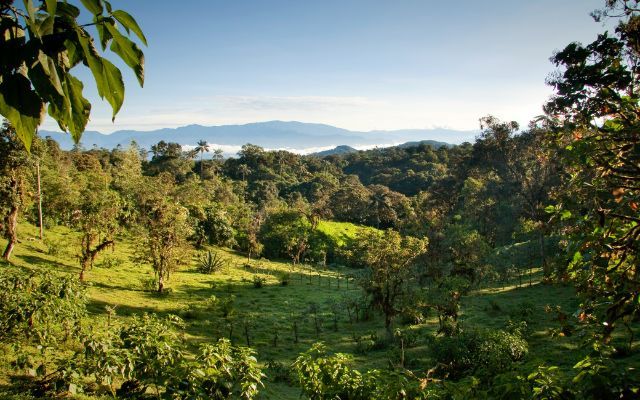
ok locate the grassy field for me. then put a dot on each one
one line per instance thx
(267, 314)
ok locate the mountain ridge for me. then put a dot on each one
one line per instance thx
(286, 135)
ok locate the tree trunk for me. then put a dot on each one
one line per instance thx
(39, 202)
(201, 165)
(11, 231)
(543, 255)
(387, 324)
(89, 255)
(160, 283)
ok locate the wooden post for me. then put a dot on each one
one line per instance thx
(39, 200)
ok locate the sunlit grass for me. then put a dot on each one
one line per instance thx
(270, 308)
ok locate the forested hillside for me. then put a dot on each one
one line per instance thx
(502, 268)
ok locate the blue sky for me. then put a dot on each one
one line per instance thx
(361, 65)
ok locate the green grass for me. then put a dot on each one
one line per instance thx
(342, 232)
(270, 307)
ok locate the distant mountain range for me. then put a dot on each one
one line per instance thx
(294, 136)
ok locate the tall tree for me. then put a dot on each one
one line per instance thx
(389, 258)
(15, 165)
(596, 117)
(202, 147)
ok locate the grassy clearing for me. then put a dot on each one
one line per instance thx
(266, 314)
(342, 232)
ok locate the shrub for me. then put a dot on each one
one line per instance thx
(328, 376)
(210, 262)
(478, 351)
(279, 372)
(285, 278)
(258, 282)
(52, 248)
(109, 262)
(39, 306)
(149, 284)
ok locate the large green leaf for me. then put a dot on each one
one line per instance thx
(103, 32)
(45, 78)
(45, 26)
(67, 10)
(128, 51)
(129, 23)
(21, 106)
(94, 6)
(107, 76)
(80, 107)
(51, 6)
(71, 111)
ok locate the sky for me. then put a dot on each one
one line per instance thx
(356, 64)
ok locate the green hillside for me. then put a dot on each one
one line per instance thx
(116, 282)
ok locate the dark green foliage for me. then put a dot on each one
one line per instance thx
(258, 281)
(39, 307)
(43, 43)
(482, 352)
(210, 262)
(46, 310)
(217, 228)
(596, 120)
(324, 376)
(279, 372)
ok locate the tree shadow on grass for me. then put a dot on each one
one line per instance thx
(97, 307)
(40, 261)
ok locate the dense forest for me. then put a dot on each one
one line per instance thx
(503, 268)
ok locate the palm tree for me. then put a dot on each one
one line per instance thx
(201, 148)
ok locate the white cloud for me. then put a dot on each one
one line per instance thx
(349, 112)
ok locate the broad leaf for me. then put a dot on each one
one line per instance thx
(21, 106)
(129, 23)
(128, 51)
(80, 107)
(31, 11)
(65, 9)
(71, 111)
(51, 6)
(94, 6)
(45, 26)
(107, 76)
(45, 79)
(103, 32)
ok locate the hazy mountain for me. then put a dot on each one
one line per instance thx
(336, 151)
(295, 136)
(433, 143)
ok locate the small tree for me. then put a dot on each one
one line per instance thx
(14, 165)
(97, 220)
(165, 229)
(389, 257)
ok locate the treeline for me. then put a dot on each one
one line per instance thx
(473, 202)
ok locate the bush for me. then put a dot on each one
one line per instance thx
(109, 262)
(285, 278)
(279, 372)
(40, 307)
(478, 351)
(210, 262)
(149, 284)
(52, 248)
(258, 282)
